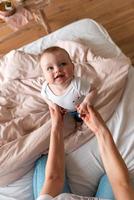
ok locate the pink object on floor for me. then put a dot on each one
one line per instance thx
(19, 19)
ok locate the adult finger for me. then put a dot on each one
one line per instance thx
(92, 111)
(51, 110)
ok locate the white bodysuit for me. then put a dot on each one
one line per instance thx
(67, 197)
(73, 95)
(44, 197)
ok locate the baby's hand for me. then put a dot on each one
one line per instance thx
(54, 106)
(93, 119)
(63, 111)
(81, 108)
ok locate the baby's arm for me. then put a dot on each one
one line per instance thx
(53, 105)
(89, 99)
(50, 103)
(45, 96)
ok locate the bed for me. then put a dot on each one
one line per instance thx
(84, 166)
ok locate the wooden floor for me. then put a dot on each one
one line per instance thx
(117, 16)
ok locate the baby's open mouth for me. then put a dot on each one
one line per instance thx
(59, 76)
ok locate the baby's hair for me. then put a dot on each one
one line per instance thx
(54, 49)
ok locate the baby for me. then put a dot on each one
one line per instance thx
(61, 86)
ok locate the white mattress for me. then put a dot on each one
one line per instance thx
(84, 165)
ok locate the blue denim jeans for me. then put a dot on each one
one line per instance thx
(39, 177)
(104, 190)
(76, 116)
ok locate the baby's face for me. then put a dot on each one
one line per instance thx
(57, 67)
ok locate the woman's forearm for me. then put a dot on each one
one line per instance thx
(114, 165)
(54, 176)
(55, 163)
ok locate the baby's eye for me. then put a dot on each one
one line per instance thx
(62, 64)
(50, 68)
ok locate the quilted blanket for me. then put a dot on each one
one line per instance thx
(24, 117)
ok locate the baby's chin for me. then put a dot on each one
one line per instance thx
(63, 82)
(59, 81)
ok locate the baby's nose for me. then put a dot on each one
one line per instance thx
(57, 69)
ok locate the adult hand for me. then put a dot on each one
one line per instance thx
(92, 119)
(82, 107)
(56, 116)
